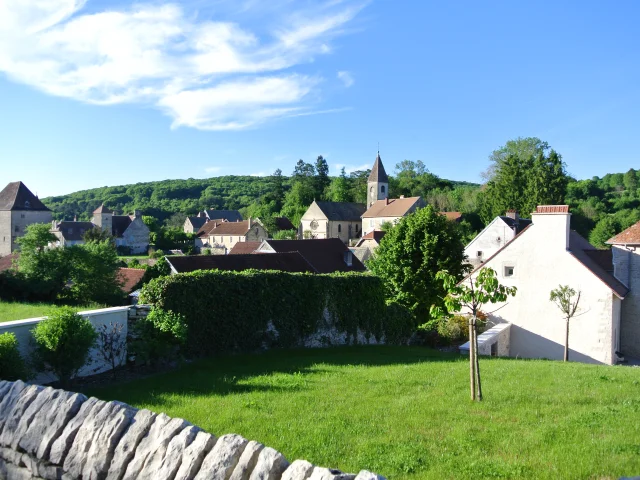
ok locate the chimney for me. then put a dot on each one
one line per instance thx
(552, 223)
(53, 224)
(249, 222)
(75, 218)
(512, 214)
(137, 213)
(401, 196)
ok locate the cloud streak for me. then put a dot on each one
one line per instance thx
(204, 73)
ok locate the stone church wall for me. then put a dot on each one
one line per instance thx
(53, 434)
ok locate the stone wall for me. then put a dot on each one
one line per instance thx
(54, 434)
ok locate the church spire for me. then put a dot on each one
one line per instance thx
(378, 183)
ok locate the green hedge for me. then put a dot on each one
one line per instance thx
(231, 311)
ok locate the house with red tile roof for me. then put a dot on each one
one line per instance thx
(223, 235)
(543, 255)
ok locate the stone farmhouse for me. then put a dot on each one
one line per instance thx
(194, 224)
(129, 231)
(496, 235)
(389, 211)
(223, 235)
(333, 220)
(546, 254)
(18, 209)
(367, 244)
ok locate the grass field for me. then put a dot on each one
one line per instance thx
(405, 412)
(20, 311)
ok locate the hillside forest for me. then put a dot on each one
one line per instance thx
(523, 173)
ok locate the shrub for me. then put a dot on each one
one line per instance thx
(205, 251)
(238, 311)
(12, 365)
(62, 342)
(159, 336)
(157, 254)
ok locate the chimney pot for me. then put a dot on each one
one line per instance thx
(401, 196)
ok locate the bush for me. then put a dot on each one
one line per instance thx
(12, 365)
(205, 251)
(159, 336)
(239, 311)
(62, 342)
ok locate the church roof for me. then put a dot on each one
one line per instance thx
(16, 196)
(102, 209)
(342, 211)
(377, 172)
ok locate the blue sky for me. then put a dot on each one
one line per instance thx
(102, 93)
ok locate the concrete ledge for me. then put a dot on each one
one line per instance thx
(497, 334)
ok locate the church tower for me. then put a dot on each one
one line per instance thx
(378, 183)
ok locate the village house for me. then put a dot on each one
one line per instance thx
(496, 235)
(129, 231)
(19, 208)
(367, 244)
(389, 211)
(544, 255)
(326, 255)
(223, 235)
(332, 220)
(194, 224)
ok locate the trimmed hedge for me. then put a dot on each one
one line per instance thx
(232, 311)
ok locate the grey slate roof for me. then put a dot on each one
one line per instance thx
(197, 222)
(517, 225)
(284, 262)
(326, 255)
(119, 223)
(342, 211)
(16, 196)
(377, 172)
(74, 231)
(228, 215)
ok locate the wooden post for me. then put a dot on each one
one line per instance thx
(566, 342)
(475, 340)
(472, 363)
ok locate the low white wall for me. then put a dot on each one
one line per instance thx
(105, 316)
(500, 334)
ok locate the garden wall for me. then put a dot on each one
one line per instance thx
(252, 310)
(105, 316)
(52, 434)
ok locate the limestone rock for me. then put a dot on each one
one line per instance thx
(168, 465)
(367, 475)
(270, 465)
(43, 399)
(247, 461)
(18, 412)
(194, 454)
(63, 443)
(49, 423)
(160, 434)
(9, 400)
(298, 470)
(222, 459)
(49, 472)
(126, 449)
(95, 443)
(10, 455)
(5, 386)
(320, 473)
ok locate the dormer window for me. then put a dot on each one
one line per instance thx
(27, 204)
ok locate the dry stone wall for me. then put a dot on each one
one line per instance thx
(53, 434)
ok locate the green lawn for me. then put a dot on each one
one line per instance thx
(21, 311)
(405, 412)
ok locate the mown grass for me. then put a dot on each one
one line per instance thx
(405, 412)
(21, 311)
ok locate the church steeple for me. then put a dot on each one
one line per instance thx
(378, 183)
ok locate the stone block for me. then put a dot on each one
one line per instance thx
(49, 472)
(168, 465)
(126, 449)
(28, 417)
(298, 470)
(9, 400)
(160, 434)
(194, 454)
(367, 475)
(247, 461)
(63, 443)
(223, 458)
(320, 473)
(270, 465)
(20, 407)
(10, 455)
(49, 423)
(95, 443)
(5, 386)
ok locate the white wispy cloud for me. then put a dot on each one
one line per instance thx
(206, 73)
(346, 78)
(212, 169)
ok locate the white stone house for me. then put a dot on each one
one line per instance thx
(543, 256)
(224, 235)
(500, 231)
(19, 208)
(332, 220)
(389, 211)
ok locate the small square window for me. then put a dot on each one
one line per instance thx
(508, 271)
(17, 228)
(479, 253)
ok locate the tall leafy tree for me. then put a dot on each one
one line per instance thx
(358, 180)
(340, 190)
(606, 228)
(94, 273)
(567, 300)
(631, 181)
(322, 179)
(411, 253)
(521, 148)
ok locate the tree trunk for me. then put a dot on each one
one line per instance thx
(566, 342)
(472, 363)
(475, 350)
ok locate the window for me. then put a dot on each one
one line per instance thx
(381, 189)
(371, 222)
(16, 229)
(357, 227)
(22, 215)
(509, 271)
(27, 204)
(339, 228)
(479, 254)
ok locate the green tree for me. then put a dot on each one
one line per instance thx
(606, 228)
(322, 179)
(411, 253)
(62, 343)
(631, 181)
(472, 294)
(358, 180)
(567, 300)
(340, 190)
(521, 148)
(97, 234)
(94, 273)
